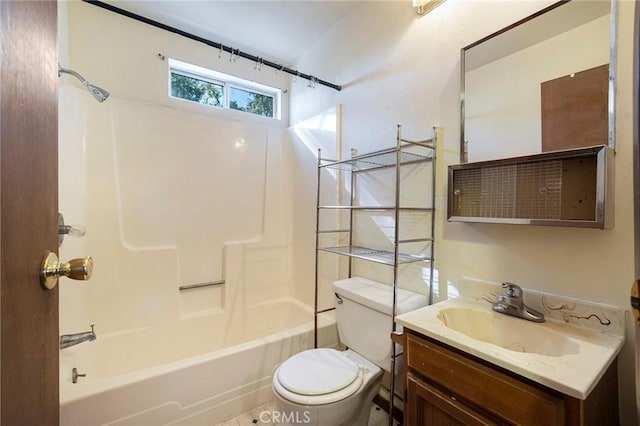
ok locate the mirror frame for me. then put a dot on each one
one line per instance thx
(612, 71)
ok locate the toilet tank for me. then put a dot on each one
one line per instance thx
(363, 316)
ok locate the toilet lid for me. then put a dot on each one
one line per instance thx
(317, 372)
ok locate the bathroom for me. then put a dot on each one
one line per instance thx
(131, 166)
(267, 256)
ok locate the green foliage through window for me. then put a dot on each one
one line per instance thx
(193, 89)
(255, 103)
(215, 89)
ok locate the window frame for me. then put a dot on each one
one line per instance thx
(200, 77)
(227, 98)
(227, 82)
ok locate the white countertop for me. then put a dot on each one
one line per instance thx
(574, 374)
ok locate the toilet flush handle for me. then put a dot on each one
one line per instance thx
(339, 301)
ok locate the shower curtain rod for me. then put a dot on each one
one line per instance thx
(230, 50)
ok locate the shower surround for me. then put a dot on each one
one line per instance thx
(170, 198)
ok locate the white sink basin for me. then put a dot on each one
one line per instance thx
(566, 358)
(510, 333)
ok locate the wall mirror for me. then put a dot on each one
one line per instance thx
(543, 84)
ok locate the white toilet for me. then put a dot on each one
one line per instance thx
(326, 387)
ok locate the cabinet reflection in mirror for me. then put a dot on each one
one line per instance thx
(542, 84)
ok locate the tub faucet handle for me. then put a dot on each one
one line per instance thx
(64, 229)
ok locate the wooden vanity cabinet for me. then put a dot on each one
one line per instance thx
(445, 386)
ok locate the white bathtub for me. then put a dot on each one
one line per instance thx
(199, 371)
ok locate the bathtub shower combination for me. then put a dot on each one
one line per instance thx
(156, 376)
(170, 199)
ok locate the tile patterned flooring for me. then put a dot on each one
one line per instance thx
(378, 417)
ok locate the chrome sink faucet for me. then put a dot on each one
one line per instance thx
(513, 304)
(67, 340)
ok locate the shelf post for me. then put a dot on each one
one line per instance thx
(315, 299)
(396, 238)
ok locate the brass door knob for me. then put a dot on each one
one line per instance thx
(52, 269)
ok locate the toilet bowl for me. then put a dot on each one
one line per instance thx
(325, 387)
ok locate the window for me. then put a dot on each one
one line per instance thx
(248, 101)
(195, 89)
(201, 85)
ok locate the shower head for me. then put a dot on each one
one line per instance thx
(96, 92)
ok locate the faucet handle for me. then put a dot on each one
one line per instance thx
(513, 290)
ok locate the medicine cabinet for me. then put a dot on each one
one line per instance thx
(561, 188)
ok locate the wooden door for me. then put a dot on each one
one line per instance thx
(28, 212)
(635, 288)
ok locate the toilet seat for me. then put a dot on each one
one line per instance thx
(317, 376)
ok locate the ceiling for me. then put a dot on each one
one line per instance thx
(534, 31)
(280, 31)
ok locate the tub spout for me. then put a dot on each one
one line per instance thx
(68, 340)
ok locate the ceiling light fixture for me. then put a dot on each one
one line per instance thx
(422, 7)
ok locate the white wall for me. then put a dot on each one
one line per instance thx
(398, 68)
(171, 192)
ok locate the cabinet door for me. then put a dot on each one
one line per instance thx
(504, 396)
(427, 405)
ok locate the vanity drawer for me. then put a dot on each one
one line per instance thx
(512, 400)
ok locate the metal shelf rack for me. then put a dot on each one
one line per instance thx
(379, 256)
(405, 153)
